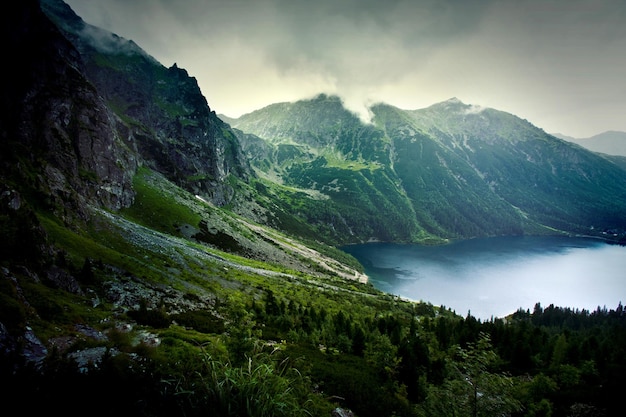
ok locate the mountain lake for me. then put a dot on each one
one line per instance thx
(493, 277)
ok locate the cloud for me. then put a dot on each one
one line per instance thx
(557, 63)
(358, 47)
(106, 42)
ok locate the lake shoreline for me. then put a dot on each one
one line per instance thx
(496, 276)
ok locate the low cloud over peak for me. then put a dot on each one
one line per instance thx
(557, 64)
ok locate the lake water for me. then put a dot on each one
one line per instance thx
(493, 277)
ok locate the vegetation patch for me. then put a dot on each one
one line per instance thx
(156, 209)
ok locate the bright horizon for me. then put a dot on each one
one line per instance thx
(558, 64)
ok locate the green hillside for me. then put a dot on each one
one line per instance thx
(449, 171)
(156, 262)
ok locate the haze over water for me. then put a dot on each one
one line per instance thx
(493, 277)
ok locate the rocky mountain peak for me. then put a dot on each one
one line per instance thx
(161, 110)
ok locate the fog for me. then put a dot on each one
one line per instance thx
(494, 277)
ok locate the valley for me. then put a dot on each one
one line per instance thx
(160, 259)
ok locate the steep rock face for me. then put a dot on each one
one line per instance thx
(57, 137)
(164, 110)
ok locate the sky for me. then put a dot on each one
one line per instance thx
(560, 64)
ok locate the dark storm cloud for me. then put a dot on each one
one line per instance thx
(335, 31)
(558, 63)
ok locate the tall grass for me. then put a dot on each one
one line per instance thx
(262, 387)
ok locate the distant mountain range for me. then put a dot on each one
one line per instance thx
(448, 171)
(610, 142)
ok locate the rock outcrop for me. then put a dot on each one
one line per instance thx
(165, 114)
(57, 136)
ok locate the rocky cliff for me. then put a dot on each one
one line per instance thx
(59, 139)
(163, 114)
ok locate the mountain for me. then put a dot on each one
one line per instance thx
(173, 128)
(156, 261)
(59, 138)
(449, 171)
(113, 168)
(610, 142)
(321, 158)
